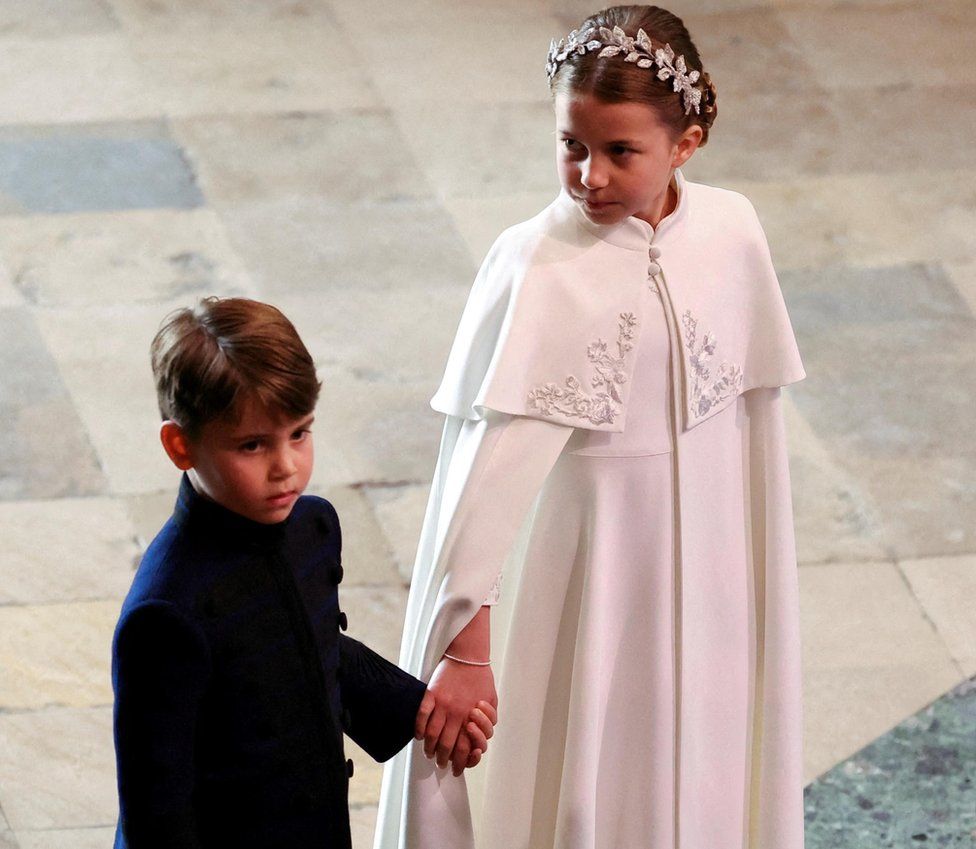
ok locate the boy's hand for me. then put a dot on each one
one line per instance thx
(472, 743)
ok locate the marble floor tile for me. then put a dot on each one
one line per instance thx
(71, 168)
(164, 15)
(344, 157)
(480, 221)
(304, 246)
(963, 277)
(366, 556)
(866, 219)
(870, 658)
(946, 587)
(484, 59)
(55, 18)
(56, 654)
(376, 616)
(141, 255)
(46, 451)
(403, 334)
(891, 375)
(289, 65)
(834, 517)
(10, 296)
(57, 768)
(112, 389)
(65, 549)
(67, 838)
(471, 152)
(362, 818)
(938, 34)
(364, 788)
(71, 80)
(400, 513)
(916, 785)
(373, 432)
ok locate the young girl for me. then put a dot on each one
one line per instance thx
(613, 459)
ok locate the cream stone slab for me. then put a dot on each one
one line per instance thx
(867, 219)
(400, 513)
(835, 518)
(963, 276)
(366, 558)
(373, 432)
(55, 18)
(946, 588)
(478, 59)
(907, 46)
(376, 617)
(303, 245)
(342, 156)
(9, 295)
(480, 221)
(57, 768)
(139, 15)
(363, 821)
(870, 657)
(403, 334)
(288, 65)
(112, 388)
(67, 838)
(71, 80)
(67, 549)
(149, 511)
(135, 256)
(468, 151)
(56, 654)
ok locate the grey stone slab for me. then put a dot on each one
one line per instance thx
(344, 156)
(914, 786)
(891, 375)
(164, 14)
(44, 449)
(400, 512)
(93, 167)
(302, 245)
(54, 18)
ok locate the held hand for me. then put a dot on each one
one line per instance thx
(472, 743)
(457, 689)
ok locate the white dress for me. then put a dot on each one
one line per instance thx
(592, 763)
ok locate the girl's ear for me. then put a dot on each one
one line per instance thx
(176, 444)
(687, 145)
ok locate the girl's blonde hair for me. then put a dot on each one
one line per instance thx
(614, 81)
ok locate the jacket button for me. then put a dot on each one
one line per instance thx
(343, 620)
(654, 252)
(337, 573)
(653, 269)
(350, 768)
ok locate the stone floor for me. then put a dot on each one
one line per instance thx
(351, 162)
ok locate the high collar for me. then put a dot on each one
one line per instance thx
(219, 523)
(634, 234)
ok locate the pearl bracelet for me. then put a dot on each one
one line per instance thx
(468, 662)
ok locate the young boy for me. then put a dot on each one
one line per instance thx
(233, 683)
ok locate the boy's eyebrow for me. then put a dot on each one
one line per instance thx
(247, 437)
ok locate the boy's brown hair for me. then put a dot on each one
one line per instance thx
(209, 359)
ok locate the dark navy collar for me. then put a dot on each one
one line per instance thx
(201, 515)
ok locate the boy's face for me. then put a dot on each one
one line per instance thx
(256, 467)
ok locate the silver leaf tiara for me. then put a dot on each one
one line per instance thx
(637, 49)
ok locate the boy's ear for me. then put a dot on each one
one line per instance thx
(176, 444)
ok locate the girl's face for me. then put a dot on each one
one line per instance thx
(616, 159)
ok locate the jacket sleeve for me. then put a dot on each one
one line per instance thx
(160, 666)
(381, 699)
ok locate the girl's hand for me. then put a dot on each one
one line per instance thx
(457, 690)
(473, 740)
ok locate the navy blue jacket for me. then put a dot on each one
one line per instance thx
(233, 685)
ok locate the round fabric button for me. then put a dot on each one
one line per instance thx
(343, 620)
(654, 252)
(350, 767)
(653, 269)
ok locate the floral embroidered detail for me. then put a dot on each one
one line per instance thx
(707, 391)
(603, 406)
(494, 591)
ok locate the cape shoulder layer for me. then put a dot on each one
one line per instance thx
(554, 319)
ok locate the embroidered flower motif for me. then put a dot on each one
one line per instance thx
(707, 391)
(609, 373)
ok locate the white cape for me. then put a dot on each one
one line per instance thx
(536, 341)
